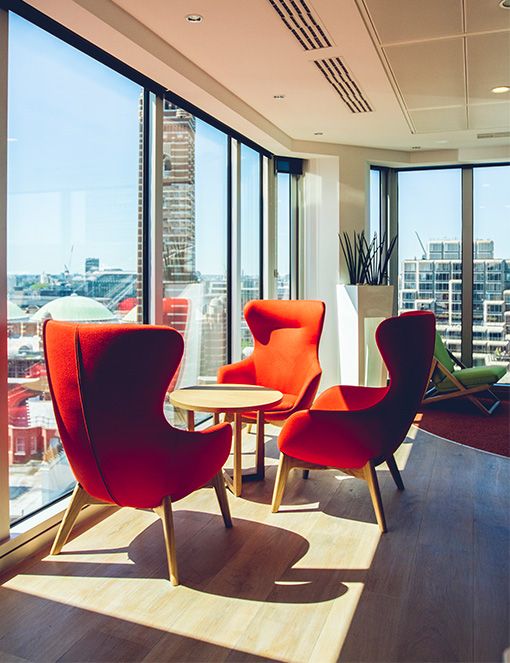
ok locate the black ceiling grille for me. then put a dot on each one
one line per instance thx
(299, 19)
(336, 73)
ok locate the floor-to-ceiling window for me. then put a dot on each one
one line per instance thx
(283, 235)
(250, 225)
(465, 282)
(84, 211)
(375, 211)
(430, 247)
(194, 242)
(491, 278)
(72, 230)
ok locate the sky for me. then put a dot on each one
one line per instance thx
(430, 205)
(72, 157)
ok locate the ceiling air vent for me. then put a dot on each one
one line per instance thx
(336, 73)
(496, 134)
(298, 18)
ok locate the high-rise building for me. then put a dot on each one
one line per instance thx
(179, 265)
(91, 265)
(435, 283)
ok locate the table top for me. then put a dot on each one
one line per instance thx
(225, 398)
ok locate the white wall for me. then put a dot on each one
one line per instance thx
(321, 254)
(336, 200)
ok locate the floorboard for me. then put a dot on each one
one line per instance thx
(313, 583)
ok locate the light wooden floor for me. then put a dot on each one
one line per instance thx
(315, 582)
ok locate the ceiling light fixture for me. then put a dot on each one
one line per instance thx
(194, 18)
(278, 96)
(500, 89)
(505, 4)
(318, 133)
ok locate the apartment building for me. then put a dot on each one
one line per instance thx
(434, 283)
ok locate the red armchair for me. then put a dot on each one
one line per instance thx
(353, 428)
(286, 334)
(108, 383)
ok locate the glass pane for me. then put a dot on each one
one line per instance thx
(430, 252)
(283, 236)
(250, 236)
(72, 231)
(375, 203)
(491, 289)
(194, 245)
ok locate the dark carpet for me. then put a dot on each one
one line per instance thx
(461, 421)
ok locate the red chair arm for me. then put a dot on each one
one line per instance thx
(347, 439)
(242, 372)
(305, 397)
(349, 397)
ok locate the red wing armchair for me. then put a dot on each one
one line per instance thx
(285, 357)
(108, 383)
(355, 428)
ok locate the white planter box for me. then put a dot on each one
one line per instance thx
(361, 308)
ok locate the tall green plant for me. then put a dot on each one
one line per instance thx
(367, 262)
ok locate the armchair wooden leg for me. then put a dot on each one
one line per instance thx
(79, 499)
(375, 494)
(395, 473)
(284, 468)
(164, 511)
(218, 484)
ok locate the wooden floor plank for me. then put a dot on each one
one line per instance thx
(314, 583)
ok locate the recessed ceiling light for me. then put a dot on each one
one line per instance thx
(194, 18)
(505, 4)
(500, 89)
(416, 147)
(278, 96)
(318, 133)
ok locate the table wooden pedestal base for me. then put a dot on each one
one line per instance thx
(235, 482)
(232, 400)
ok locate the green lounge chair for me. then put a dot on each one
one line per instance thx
(449, 378)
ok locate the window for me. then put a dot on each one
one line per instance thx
(250, 229)
(432, 226)
(81, 230)
(425, 224)
(72, 229)
(492, 247)
(194, 288)
(283, 235)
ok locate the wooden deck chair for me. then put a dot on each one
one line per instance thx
(449, 378)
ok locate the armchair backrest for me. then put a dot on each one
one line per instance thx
(108, 384)
(286, 334)
(406, 344)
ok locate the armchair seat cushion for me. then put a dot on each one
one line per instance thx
(280, 411)
(472, 377)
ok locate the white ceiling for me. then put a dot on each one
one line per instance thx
(425, 69)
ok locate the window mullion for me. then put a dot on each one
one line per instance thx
(154, 156)
(235, 295)
(467, 267)
(270, 229)
(4, 438)
(294, 190)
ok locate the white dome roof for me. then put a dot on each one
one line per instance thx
(14, 312)
(74, 308)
